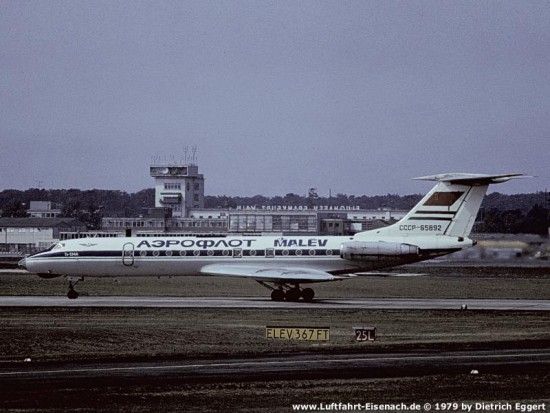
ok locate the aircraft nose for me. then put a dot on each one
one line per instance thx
(22, 263)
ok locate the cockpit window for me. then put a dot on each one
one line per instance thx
(57, 246)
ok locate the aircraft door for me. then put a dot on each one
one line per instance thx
(128, 254)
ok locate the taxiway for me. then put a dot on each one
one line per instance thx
(261, 302)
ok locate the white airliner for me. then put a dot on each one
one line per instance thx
(439, 224)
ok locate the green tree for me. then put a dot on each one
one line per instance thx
(71, 208)
(536, 221)
(14, 209)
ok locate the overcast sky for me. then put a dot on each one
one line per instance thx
(278, 96)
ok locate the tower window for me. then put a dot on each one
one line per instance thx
(172, 185)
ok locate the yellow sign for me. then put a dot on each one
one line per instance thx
(298, 333)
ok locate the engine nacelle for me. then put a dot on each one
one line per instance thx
(368, 251)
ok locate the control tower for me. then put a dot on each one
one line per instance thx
(178, 186)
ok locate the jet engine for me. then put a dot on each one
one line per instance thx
(368, 251)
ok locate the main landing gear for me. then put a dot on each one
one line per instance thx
(73, 294)
(285, 292)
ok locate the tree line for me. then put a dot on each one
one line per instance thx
(518, 213)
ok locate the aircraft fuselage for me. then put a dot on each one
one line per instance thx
(178, 256)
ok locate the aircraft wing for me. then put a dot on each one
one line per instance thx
(389, 274)
(272, 274)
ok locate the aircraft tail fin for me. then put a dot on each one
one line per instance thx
(450, 208)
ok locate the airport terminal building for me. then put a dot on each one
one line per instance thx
(289, 222)
(179, 208)
(29, 235)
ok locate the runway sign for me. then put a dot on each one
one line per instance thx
(298, 333)
(365, 333)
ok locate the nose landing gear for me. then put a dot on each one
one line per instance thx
(72, 293)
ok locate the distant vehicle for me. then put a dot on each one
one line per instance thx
(438, 225)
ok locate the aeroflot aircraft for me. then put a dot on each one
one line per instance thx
(439, 224)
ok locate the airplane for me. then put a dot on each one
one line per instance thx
(439, 224)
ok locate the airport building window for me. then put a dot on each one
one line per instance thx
(269, 223)
(172, 185)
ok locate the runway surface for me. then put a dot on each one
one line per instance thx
(372, 365)
(262, 302)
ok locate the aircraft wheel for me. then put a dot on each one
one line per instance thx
(308, 294)
(72, 294)
(277, 295)
(293, 294)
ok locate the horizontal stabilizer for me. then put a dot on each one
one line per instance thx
(471, 179)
